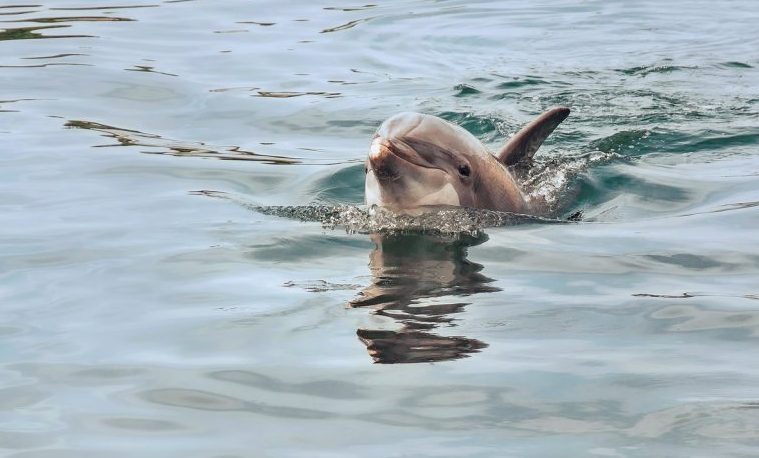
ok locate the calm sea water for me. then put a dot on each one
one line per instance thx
(140, 317)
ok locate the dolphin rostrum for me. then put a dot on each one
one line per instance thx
(417, 160)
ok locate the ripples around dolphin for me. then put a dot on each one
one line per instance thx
(420, 275)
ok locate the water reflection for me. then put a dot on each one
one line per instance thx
(53, 20)
(167, 146)
(161, 145)
(415, 278)
(31, 33)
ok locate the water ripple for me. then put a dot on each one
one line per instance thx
(350, 8)
(209, 401)
(347, 25)
(54, 20)
(127, 137)
(110, 7)
(32, 33)
(290, 94)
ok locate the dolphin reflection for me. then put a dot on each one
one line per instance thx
(409, 273)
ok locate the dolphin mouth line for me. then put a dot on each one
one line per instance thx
(421, 162)
(397, 147)
(384, 176)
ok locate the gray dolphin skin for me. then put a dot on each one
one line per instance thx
(417, 160)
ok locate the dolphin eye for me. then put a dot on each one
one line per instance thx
(464, 170)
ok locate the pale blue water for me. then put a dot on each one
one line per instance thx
(143, 318)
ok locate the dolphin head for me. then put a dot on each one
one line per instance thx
(418, 160)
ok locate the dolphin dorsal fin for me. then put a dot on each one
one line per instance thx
(523, 145)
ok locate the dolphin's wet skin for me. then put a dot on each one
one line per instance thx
(325, 229)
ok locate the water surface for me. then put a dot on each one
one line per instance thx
(144, 316)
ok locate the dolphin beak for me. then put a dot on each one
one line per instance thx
(382, 161)
(388, 159)
(380, 148)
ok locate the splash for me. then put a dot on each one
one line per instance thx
(369, 220)
(546, 180)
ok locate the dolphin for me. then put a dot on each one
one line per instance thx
(418, 160)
